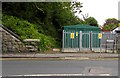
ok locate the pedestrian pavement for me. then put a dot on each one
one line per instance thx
(59, 55)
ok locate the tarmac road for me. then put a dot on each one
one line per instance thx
(28, 67)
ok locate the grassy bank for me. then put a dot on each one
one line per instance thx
(27, 30)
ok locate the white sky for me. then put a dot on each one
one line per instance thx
(100, 9)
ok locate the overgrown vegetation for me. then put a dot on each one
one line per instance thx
(110, 23)
(40, 20)
(27, 30)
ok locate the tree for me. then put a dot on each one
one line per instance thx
(91, 21)
(110, 23)
(76, 7)
(109, 27)
(48, 17)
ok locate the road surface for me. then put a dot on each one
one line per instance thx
(27, 67)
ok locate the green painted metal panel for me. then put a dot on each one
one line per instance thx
(85, 39)
(95, 40)
(86, 29)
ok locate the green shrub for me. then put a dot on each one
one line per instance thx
(27, 30)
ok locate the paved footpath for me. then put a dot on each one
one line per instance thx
(59, 55)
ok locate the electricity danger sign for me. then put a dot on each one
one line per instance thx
(76, 33)
(100, 35)
(119, 24)
(72, 35)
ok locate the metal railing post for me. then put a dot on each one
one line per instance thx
(63, 42)
(115, 42)
(80, 40)
(101, 44)
(91, 40)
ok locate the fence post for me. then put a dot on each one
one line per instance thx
(63, 42)
(91, 40)
(80, 40)
(116, 42)
(101, 44)
(72, 42)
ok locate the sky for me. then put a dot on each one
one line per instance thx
(100, 9)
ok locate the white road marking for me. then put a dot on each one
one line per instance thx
(32, 75)
(79, 58)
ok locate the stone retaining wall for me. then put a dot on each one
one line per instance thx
(10, 43)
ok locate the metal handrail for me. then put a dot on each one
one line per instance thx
(10, 32)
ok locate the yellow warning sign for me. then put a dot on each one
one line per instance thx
(72, 35)
(76, 33)
(119, 24)
(100, 35)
